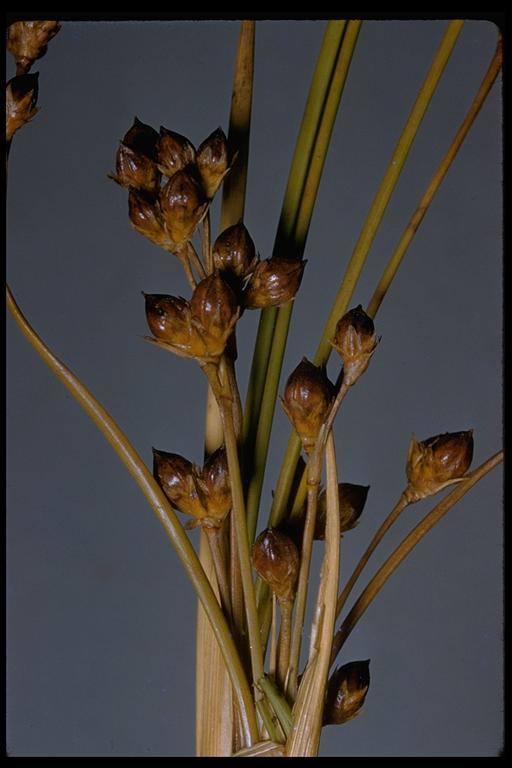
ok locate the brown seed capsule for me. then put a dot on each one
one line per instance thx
(27, 41)
(216, 486)
(307, 398)
(170, 319)
(212, 161)
(346, 692)
(178, 479)
(20, 102)
(142, 138)
(175, 152)
(355, 340)
(135, 160)
(146, 218)
(234, 251)
(273, 282)
(214, 312)
(276, 559)
(183, 205)
(352, 499)
(435, 463)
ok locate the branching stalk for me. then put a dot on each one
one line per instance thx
(405, 548)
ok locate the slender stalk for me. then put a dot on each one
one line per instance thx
(269, 721)
(225, 403)
(441, 171)
(405, 548)
(383, 196)
(295, 244)
(193, 259)
(206, 243)
(314, 470)
(401, 504)
(272, 665)
(214, 536)
(285, 636)
(304, 739)
(161, 508)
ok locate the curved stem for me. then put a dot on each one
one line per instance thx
(401, 504)
(163, 511)
(193, 258)
(405, 548)
(206, 243)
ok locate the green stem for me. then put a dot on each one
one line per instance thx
(163, 511)
(405, 548)
(290, 241)
(383, 196)
(423, 206)
(357, 260)
(300, 162)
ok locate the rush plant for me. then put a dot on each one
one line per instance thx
(275, 610)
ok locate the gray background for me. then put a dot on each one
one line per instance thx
(100, 617)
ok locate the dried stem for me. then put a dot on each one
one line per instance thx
(405, 548)
(285, 636)
(193, 259)
(304, 739)
(225, 403)
(314, 470)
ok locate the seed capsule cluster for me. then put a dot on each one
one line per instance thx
(204, 494)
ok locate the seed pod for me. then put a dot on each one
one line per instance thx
(346, 692)
(212, 161)
(146, 217)
(234, 251)
(355, 340)
(307, 398)
(216, 486)
(435, 463)
(276, 559)
(143, 139)
(352, 499)
(20, 102)
(27, 41)
(175, 152)
(183, 205)
(177, 478)
(215, 312)
(169, 319)
(273, 282)
(135, 159)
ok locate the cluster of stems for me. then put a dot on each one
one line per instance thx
(281, 702)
